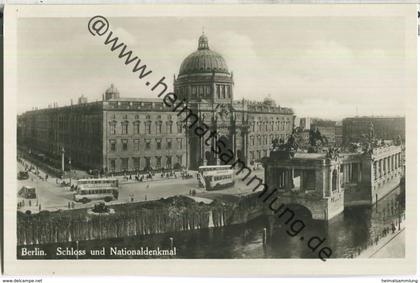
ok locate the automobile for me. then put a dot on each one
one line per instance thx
(23, 175)
(27, 192)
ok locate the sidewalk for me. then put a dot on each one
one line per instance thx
(393, 239)
(395, 248)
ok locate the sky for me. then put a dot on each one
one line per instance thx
(326, 67)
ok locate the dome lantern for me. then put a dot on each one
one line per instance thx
(203, 43)
(112, 92)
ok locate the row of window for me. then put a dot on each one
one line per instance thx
(265, 139)
(224, 177)
(271, 125)
(147, 129)
(137, 117)
(148, 144)
(137, 105)
(258, 154)
(91, 192)
(222, 91)
(145, 162)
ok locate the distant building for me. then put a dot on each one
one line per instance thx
(331, 130)
(386, 128)
(305, 123)
(339, 133)
(82, 99)
(327, 128)
(302, 138)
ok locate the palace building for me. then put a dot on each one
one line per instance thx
(134, 134)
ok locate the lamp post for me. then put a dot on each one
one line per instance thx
(70, 169)
(186, 139)
(62, 159)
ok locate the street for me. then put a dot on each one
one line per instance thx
(52, 196)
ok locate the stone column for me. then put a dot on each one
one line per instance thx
(351, 172)
(330, 174)
(302, 179)
(392, 163)
(290, 176)
(382, 167)
(348, 172)
(344, 173)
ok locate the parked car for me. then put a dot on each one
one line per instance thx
(27, 192)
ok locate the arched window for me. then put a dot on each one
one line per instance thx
(158, 127)
(148, 126)
(169, 127)
(136, 125)
(113, 127)
(179, 127)
(124, 127)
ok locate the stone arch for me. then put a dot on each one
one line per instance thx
(301, 211)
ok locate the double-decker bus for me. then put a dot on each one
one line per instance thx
(27, 192)
(95, 189)
(215, 177)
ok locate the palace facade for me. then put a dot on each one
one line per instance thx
(128, 134)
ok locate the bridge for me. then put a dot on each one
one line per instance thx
(325, 184)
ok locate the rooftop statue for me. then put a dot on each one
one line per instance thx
(316, 140)
(289, 148)
(333, 153)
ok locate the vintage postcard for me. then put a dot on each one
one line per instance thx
(210, 139)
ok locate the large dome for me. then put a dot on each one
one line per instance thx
(203, 60)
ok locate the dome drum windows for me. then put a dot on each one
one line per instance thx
(223, 91)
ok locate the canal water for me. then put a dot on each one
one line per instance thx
(346, 235)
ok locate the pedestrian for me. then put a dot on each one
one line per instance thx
(39, 207)
(393, 228)
(72, 204)
(30, 202)
(68, 205)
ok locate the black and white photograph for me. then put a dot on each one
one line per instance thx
(201, 134)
